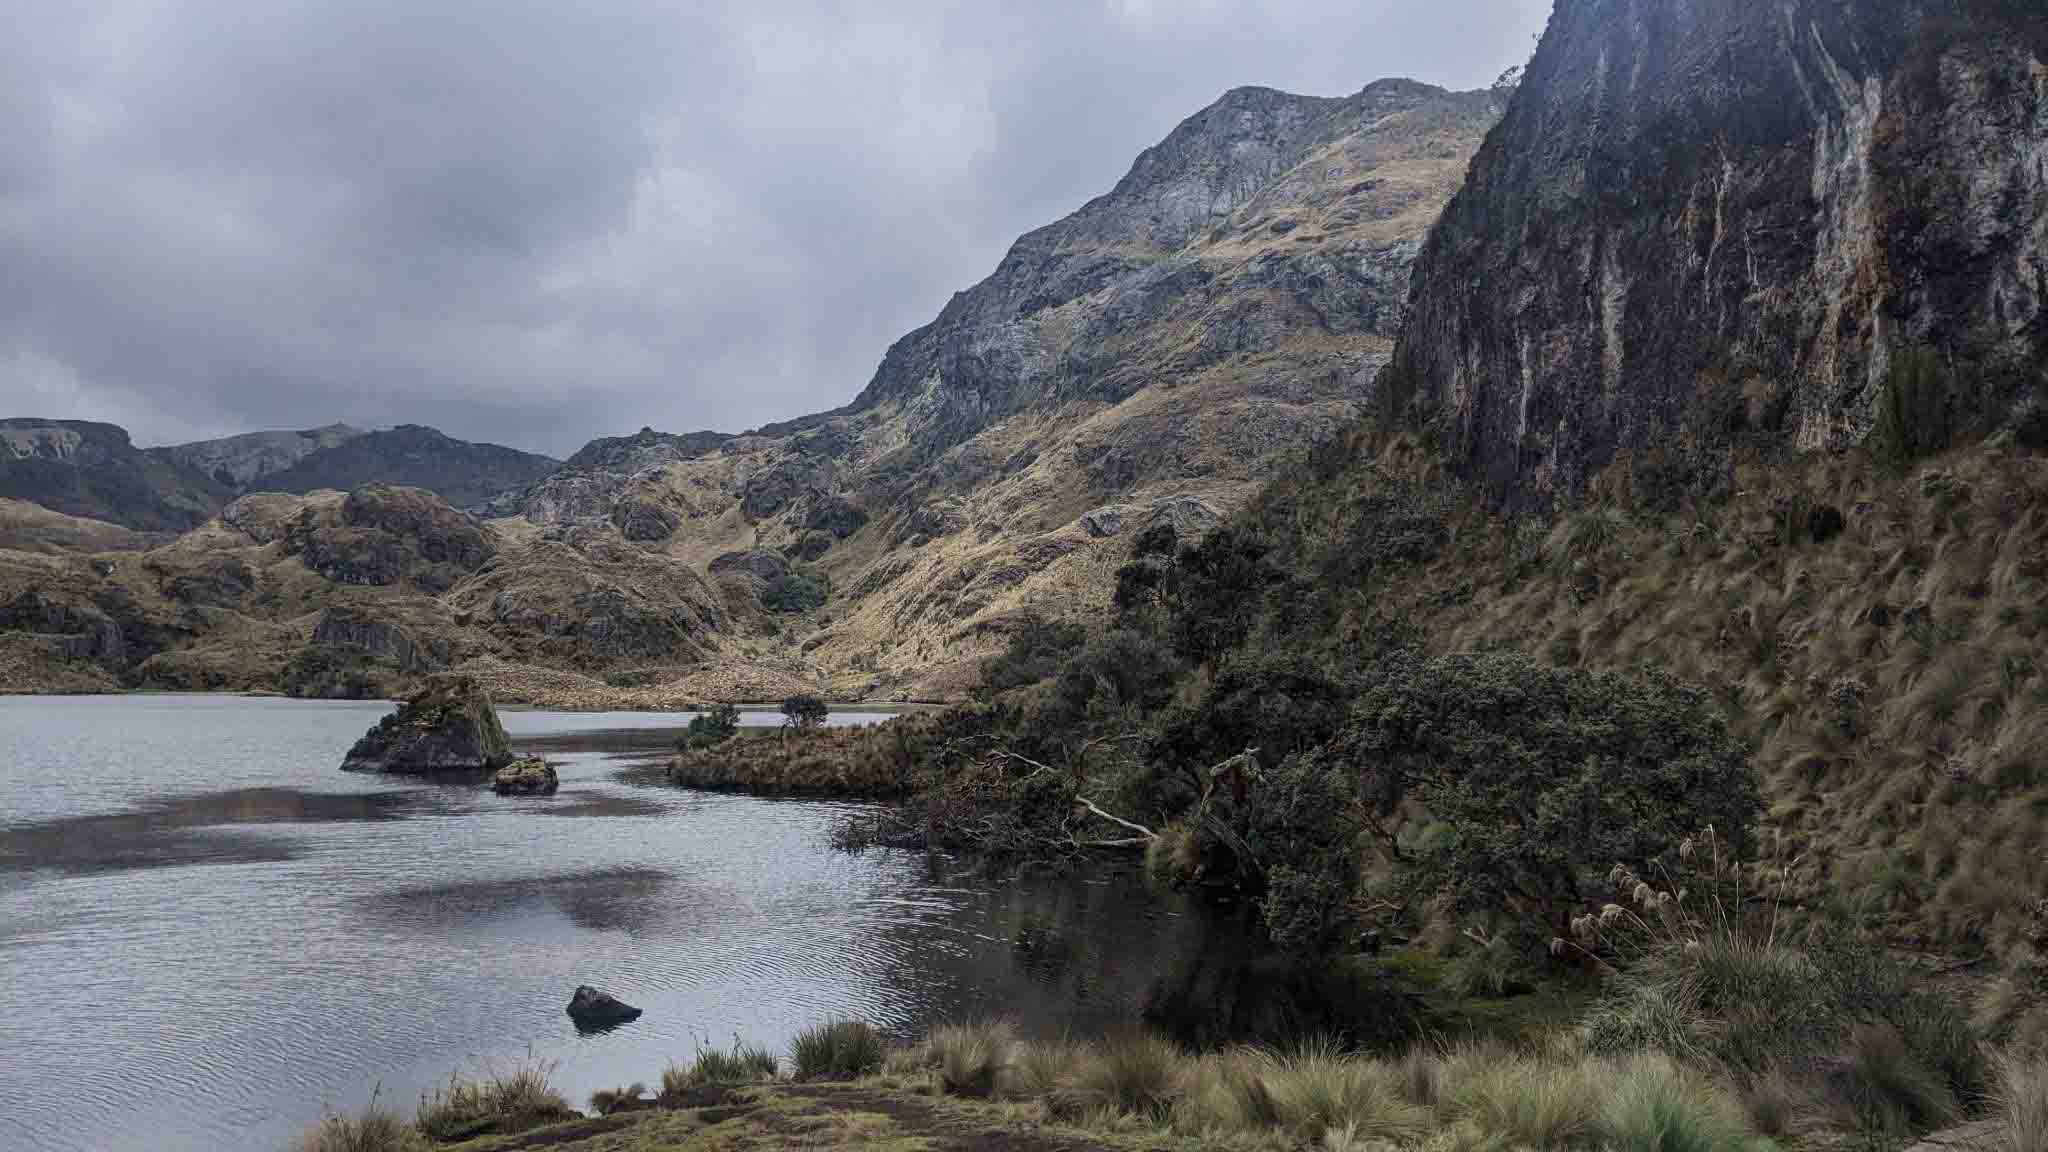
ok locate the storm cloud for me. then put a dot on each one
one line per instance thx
(534, 223)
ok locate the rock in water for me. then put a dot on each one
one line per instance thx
(591, 1008)
(447, 726)
(532, 776)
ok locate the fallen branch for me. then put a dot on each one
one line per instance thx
(1147, 833)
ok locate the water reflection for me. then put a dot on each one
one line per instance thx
(178, 830)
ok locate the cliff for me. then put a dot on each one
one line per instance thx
(1717, 226)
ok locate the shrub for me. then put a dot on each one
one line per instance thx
(1656, 1106)
(374, 1129)
(712, 727)
(514, 1102)
(804, 711)
(1546, 776)
(792, 592)
(837, 1050)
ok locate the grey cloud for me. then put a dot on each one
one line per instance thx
(538, 222)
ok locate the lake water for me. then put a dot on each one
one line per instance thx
(208, 933)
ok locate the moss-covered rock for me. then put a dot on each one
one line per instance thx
(447, 726)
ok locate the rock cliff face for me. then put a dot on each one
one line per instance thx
(1806, 224)
(241, 462)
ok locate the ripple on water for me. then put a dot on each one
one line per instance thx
(350, 932)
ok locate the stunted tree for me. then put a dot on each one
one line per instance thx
(804, 712)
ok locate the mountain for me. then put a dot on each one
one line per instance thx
(93, 471)
(1149, 359)
(90, 470)
(1727, 363)
(238, 462)
(1145, 359)
(412, 455)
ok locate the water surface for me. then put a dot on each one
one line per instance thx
(208, 932)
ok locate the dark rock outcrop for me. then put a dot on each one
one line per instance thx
(381, 536)
(85, 469)
(591, 1008)
(532, 776)
(1803, 225)
(447, 726)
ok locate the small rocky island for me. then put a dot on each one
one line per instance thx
(447, 726)
(528, 776)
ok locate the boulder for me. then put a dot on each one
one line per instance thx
(592, 1008)
(1107, 520)
(447, 726)
(532, 776)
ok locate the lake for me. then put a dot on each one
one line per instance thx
(209, 933)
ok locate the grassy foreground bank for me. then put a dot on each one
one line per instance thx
(978, 1085)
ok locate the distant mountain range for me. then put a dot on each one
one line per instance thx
(93, 470)
(1150, 359)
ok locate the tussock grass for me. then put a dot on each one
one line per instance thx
(970, 1058)
(837, 1050)
(604, 1100)
(740, 1064)
(1653, 1105)
(1529, 1102)
(1136, 1072)
(1320, 1089)
(519, 1099)
(374, 1129)
(1880, 1086)
(2020, 1103)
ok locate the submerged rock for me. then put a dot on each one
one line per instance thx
(447, 726)
(592, 1008)
(532, 776)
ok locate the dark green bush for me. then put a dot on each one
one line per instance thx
(1545, 777)
(804, 711)
(712, 727)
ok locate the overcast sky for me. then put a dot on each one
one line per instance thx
(534, 223)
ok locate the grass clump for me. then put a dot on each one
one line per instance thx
(374, 1129)
(2020, 1103)
(1654, 1105)
(520, 1099)
(741, 1064)
(837, 1050)
(1522, 1101)
(969, 1058)
(1320, 1090)
(1136, 1073)
(605, 1100)
(1880, 1086)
